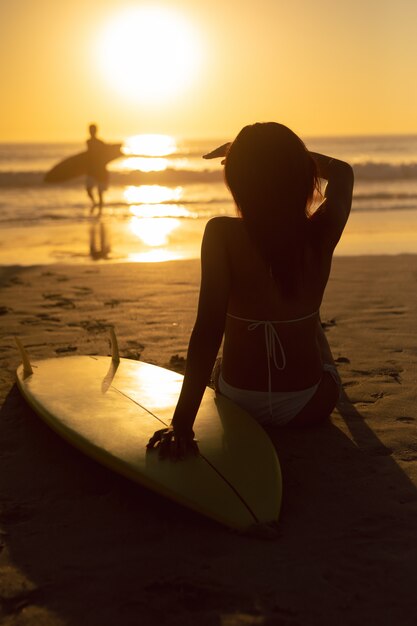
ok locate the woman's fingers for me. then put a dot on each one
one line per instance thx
(158, 436)
(171, 446)
(183, 447)
(164, 447)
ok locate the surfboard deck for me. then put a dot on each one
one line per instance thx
(76, 165)
(109, 409)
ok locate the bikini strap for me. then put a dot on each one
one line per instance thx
(272, 342)
(298, 319)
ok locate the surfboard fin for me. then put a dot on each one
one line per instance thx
(115, 357)
(27, 368)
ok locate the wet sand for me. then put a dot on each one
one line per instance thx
(83, 547)
(111, 240)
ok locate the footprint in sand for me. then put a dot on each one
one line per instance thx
(57, 300)
(328, 323)
(409, 453)
(15, 280)
(48, 318)
(378, 395)
(83, 291)
(132, 343)
(29, 321)
(342, 359)
(408, 456)
(5, 348)
(177, 363)
(134, 350)
(65, 349)
(115, 302)
(112, 303)
(391, 372)
(350, 383)
(60, 278)
(396, 376)
(92, 326)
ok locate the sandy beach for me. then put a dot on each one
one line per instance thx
(83, 547)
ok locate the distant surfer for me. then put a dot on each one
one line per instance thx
(97, 174)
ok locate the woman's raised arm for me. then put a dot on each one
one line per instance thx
(333, 213)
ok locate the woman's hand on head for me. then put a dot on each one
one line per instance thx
(221, 151)
(173, 445)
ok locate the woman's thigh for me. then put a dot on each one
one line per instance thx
(321, 404)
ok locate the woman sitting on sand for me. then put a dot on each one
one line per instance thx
(262, 283)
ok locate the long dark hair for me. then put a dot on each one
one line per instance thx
(272, 178)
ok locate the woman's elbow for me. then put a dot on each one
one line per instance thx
(345, 172)
(208, 332)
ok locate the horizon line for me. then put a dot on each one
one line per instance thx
(214, 138)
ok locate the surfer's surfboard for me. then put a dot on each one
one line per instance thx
(76, 165)
(109, 408)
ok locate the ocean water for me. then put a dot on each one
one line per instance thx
(162, 184)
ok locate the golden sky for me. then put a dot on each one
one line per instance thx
(323, 67)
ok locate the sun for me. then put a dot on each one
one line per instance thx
(149, 54)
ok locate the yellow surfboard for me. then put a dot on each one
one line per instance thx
(109, 407)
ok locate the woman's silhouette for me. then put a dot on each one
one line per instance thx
(262, 283)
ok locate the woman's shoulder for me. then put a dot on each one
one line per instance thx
(224, 232)
(223, 221)
(224, 224)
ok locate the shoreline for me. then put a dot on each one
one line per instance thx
(109, 240)
(74, 537)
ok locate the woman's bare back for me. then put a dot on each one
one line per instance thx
(256, 299)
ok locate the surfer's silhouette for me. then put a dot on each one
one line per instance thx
(97, 174)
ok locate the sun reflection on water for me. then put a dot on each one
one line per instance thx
(150, 145)
(159, 210)
(155, 255)
(141, 164)
(153, 231)
(152, 221)
(152, 194)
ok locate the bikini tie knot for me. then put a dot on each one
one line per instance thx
(272, 341)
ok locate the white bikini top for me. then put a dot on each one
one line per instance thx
(272, 339)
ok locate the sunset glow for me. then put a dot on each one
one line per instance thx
(205, 69)
(148, 53)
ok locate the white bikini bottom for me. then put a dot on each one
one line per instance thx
(275, 408)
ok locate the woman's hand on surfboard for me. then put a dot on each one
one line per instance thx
(173, 445)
